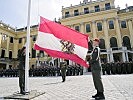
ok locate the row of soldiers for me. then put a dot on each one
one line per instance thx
(117, 68)
(44, 71)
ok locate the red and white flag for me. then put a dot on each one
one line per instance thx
(61, 42)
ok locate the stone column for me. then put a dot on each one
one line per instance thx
(72, 26)
(15, 48)
(106, 33)
(126, 54)
(130, 25)
(0, 43)
(107, 57)
(94, 29)
(7, 65)
(70, 62)
(82, 27)
(7, 47)
(117, 26)
(123, 54)
(23, 41)
(85, 69)
(111, 55)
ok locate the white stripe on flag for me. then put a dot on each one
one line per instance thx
(49, 41)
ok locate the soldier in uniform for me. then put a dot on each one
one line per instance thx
(63, 67)
(132, 67)
(129, 68)
(21, 58)
(103, 68)
(123, 65)
(113, 68)
(108, 68)
(96, 70)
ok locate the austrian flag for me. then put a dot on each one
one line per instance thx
(61, 42)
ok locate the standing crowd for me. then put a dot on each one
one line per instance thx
(43, 71)
(117, 68)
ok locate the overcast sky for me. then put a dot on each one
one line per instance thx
(14, 12)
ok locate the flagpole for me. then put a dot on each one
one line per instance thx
(27, 50)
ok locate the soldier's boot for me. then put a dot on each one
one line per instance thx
(96, 95)
(63, 80)
(22, 91)
(100, 96)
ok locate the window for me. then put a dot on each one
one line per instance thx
(33, 53)
(123, 24)
(86, 10)
(111, 24)
(107, 6)
(67, 14)
(97, 8)
(4, 37)
(34, 38)
(20, 40)
(77, 28)
(76, 12)
(126, 42)
(11, 39)
(88, 28)
(3, 54)
(41, 53)
(10, 54)
(99, 26)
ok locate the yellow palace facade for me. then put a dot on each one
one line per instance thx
(101, 19)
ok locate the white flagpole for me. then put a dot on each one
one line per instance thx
(27, 50)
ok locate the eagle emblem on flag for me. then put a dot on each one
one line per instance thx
(67, 47)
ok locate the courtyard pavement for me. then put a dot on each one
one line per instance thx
(117, 87)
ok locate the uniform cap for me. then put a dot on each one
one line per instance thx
(97, 40)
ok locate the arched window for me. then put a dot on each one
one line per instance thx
(113, 42)
(126, 42)
(102, 44)
(10, 54)
(99, 26)
(33, 53)
(88, 28)
(77, 28)
(111, 24)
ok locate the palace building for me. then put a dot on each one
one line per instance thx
(99, 19)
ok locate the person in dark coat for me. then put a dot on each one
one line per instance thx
(96, 70)
(124, 66)
(108, 68)
(113, 67)
(103, 68)
(129, 68)
(118, 68)
(132, 67)
(63, 67)
(21, 68)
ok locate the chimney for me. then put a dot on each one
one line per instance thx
(118, 7)
(126, 6)
(85, 1)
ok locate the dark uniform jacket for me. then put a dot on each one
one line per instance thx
(21, 58)
(95, 60)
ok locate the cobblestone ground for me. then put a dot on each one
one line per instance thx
(117, 87)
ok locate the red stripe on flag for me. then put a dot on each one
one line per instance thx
(63, 55)
(63, 32)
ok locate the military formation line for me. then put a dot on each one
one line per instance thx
(117, 68)
(43, 71)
